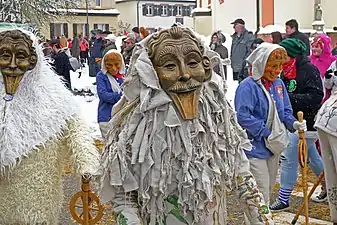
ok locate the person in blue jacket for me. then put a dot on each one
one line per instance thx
(109, 81)
(252, 106)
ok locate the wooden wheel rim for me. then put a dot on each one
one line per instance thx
(93, 198)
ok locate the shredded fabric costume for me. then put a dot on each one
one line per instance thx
(39, 131)
(161, 169)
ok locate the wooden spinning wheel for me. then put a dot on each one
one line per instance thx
(90, 203)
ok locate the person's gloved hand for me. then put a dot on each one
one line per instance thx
(300, 125)
(328, 74)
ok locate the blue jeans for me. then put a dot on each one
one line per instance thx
(289, 161)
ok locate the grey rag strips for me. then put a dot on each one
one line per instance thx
(157, 154)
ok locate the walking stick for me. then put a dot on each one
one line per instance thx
(303, 160)
(317, 182)
(87, 197)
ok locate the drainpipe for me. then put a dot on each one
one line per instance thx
(138, 2)
(258, 15)
(87, 17)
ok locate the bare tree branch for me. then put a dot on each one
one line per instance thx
(37, 12)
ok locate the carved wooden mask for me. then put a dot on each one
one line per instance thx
(274, 64)
(177, 56)
(113, 62)
(17, 56)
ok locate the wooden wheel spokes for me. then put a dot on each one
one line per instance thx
(92, 198)
(89, 200)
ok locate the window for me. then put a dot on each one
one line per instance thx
(187, 10)
(164, 11)
(149, 10)
(179, 10)
(170, 10)
(79, 28)
(98, 3)
(101, 26)
(156, 10)
(180, 20)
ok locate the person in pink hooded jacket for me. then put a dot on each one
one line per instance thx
(321, 56)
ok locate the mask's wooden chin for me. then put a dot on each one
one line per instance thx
(187, 103)
(11, 84)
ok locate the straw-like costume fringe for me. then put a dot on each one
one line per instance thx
(39, 130)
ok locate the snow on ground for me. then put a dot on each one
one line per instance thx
(88, 104)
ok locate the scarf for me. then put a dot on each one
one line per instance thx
(289, 69)
(114, 84)
(266, 83)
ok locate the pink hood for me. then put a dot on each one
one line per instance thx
(324, 61)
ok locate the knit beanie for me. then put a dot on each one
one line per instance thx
(293, 46)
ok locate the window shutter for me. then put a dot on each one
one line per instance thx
(175, 11)
(107, 27)
(144, 10)
(86, 30)
(95, 26)
(65, 29)
(170, 10)
(52, 31)
(74, 29)
(185, 11)
(160, 11)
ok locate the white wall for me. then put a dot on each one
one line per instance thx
(301, 10)
(330, 13)
(128, 12)
(233, 9)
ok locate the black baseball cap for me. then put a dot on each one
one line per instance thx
(238, 21)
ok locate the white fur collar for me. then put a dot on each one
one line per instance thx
(37, 114)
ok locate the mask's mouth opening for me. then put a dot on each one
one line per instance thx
(11, 83)
(185, 90)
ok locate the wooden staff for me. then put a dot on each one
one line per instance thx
(317, 182)
(303, 160)
(87, 197)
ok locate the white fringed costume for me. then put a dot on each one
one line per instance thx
(161, 169)
(39, 130)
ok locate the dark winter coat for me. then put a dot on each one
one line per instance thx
(302, 37)
(107, 48)
(127, 53)
(307, 94)
(240, 50)
(62, 66)
(75, 48)
(221, 50)
(96, 50)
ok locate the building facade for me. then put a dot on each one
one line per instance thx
(155, 14)
(271, 12)
(101, 15)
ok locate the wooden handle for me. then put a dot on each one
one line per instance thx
(300, 116)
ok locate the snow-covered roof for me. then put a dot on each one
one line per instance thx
(280, 28)
(272, 28)
(92, 11)
(198, 10)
